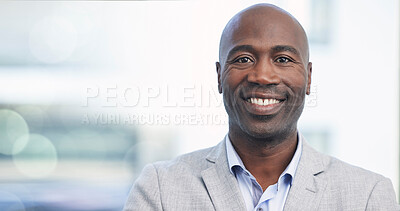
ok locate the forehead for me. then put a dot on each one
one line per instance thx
(263, 29)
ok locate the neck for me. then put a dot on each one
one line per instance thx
(265, 158)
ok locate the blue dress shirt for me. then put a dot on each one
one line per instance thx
(274, 197)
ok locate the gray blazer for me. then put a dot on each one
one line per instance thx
(201, 180)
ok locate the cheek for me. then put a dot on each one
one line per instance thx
(231, 83)
(232, 80)
(297, 84)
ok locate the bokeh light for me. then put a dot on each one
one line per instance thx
(38, 158)
(12, 127)
(33, 115)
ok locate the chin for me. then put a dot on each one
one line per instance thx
(268, 131)
(261, 132)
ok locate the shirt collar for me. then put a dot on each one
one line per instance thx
(234, 159)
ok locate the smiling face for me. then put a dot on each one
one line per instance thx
(263, 73)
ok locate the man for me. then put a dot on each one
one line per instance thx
(263, 163)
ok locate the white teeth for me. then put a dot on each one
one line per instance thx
(262, 102)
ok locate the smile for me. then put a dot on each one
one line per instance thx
(263, 102)
(264, 105)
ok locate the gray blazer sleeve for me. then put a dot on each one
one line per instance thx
(383, 197)
(145, 193)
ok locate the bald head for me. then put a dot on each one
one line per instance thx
(263, 20)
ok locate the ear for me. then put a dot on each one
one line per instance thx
(309, 71)
(218, 67)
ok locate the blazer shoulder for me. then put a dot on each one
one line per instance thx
(192, 162)
(341, 170)
(333, 168)
(365, 188)
(348, 180)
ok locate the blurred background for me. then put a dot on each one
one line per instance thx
(92, 91)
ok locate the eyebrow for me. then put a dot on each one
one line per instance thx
(250, 48)
(238, 48)
(283, 48)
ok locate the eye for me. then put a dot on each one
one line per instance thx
(243, 60)
(283, 60)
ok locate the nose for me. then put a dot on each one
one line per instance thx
(264, 73)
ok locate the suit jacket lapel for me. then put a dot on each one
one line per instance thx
(307, 188)
(220, 183)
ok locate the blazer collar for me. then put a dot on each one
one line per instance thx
(221, 184)
(307, 187)
(305, 194)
